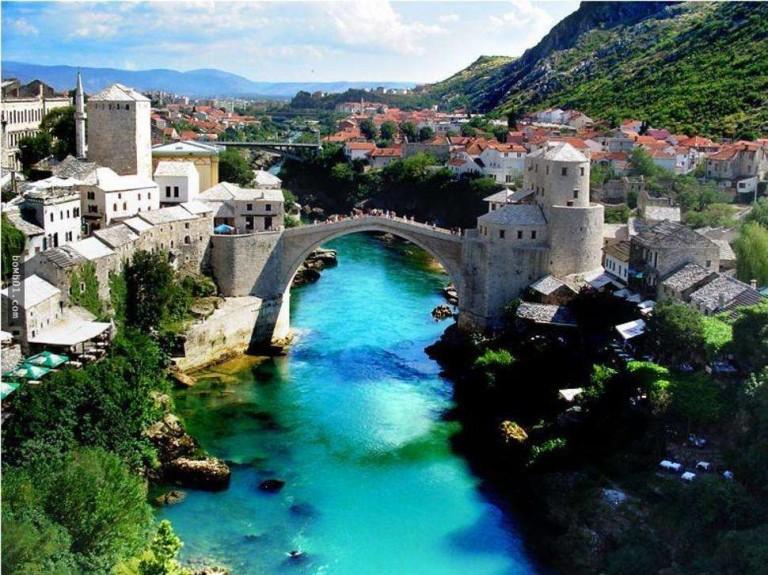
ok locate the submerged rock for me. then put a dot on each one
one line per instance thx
(318, 260)
(170, 498)
(442, 312)
(303, 510)
(271, 485)
(209, 473)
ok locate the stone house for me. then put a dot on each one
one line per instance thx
(29, 307)
(663, 248)
(686, 280)
(177, 182)
(616, 260)
(106, 196)
(248, 210)
(739, 161)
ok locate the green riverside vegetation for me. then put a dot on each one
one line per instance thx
(75, 449)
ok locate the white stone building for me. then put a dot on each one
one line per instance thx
(29, 307)
(22, 108)
(177, 181)
(119, 131)
(502, 162)
(247, 210)
(106, 196)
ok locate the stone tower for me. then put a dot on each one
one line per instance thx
(80, 118)
(119, 133)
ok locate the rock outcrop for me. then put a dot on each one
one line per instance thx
(317, 261)
(180, 457)
(442, 312)
(207, 473)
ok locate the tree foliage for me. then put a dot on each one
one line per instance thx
(13, 242)
(751, 249)
(234, 168)
(164, 550)
(750, 336)
(675, 333)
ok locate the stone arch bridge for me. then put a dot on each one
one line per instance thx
(264, 264)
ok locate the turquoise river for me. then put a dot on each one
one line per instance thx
(352, 420)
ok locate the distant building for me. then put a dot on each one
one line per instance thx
(204, 156)
(177, 182)
(737, 162)
(119, 131)
(246, 210)
(22, 108)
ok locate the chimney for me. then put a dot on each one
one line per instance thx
(721, 300)
(753, 283)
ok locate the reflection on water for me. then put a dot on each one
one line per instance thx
(351, 420)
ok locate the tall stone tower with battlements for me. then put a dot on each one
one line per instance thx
(119, 132)
(547, 228)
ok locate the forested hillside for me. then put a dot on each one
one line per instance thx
(696, 67)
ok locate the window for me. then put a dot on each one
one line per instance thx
(501, 234)
(119, 196)
(149, 195)
(67, 214)
(575, 194)
(249, 207)
(709, 263)
(533, 234)
(167, 191)
(91, 195)
(536, 169)
(139, 197)
(547, 169)
(186, 239)
(125, 206)
(114, 207)
(269, 207)
(61, 215)
(175, 191)
(581, 170)
(186, 225)
(92, 209)
(564, 171)
(51, 216)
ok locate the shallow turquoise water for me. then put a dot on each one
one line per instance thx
(351, 421)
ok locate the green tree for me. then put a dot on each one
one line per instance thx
(675, 333)
(150, 285)
(165, 549)
(93, 496)
(60, 123)
(426, 133)
(750, 336)
(759, 213)
(751, 249)
(642, 163)
(32, 149)
(84, 289)
(13, 242)
(467, 130)
(714, 215)
(234, 168)
(409, 131)
(368, 129)
(388, 130)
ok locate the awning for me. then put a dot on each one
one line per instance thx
(27, 371)
(70, 333)
(223, 229)
(631, 329)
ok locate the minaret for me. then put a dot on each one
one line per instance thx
(80, 118)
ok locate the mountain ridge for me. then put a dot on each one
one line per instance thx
(202, 82)
(697, 67)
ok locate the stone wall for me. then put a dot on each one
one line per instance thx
(575, 239)
(121, 138)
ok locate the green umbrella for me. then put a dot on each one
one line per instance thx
(47, 359)
(7, 389)
(27, 371)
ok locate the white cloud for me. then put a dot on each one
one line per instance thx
(445, 18)
(23, 27)
(524, 16)
(374, 23)
(91, 24)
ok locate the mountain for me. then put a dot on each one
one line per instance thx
(199, 83)
(697, 67)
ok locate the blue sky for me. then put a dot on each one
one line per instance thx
(278, 41)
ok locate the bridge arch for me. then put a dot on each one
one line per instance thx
(441, 244)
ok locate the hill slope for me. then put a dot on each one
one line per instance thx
(695, 66)
(204, 82)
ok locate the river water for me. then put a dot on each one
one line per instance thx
(351, 420)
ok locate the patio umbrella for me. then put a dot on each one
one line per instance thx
(28, 371)
(47, 359)
(7, 389)
(223, 229)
